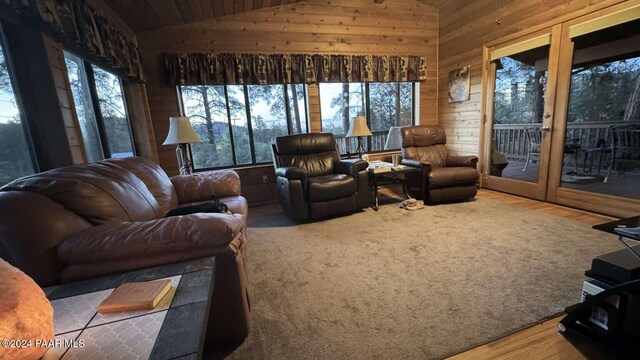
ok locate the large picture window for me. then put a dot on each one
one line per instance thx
(385, 105)
(15, 151)
(99, 104)
(238, 123)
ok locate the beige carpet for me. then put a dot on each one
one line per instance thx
(409, 285)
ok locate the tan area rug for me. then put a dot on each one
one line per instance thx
(409, 285)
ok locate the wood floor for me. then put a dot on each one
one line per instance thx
(541, 341)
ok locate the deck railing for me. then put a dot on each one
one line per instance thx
(511, 140)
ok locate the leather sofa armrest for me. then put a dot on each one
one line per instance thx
(416, 163)
(465, 161)
(211, 232)
(350, 166)
(292, 173)
(206, 185)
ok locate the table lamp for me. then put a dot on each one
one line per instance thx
(181, 134)
(394, 138)
(359, 129)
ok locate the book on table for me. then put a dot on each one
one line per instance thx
(379, 166)
(135, 296)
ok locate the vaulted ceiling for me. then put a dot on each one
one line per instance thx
(143, 15)
(151, 14)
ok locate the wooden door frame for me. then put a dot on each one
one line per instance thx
(538, 189)
(601, 203)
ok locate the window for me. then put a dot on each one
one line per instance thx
(113, 113)
(15, 150)
(101, 111)
(238, 123)
(385, 105)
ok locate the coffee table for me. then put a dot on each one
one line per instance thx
(384, 174)
(176, 328)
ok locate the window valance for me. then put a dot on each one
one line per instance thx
(261, 69)
(81, 28)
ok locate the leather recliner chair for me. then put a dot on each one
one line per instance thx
(444, 177)
(85, 221)
(313, 182)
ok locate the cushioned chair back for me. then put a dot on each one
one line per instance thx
(100, 193)
(315, 153)
(425, 143)
(156, 180)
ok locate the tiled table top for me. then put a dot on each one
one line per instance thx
(174, 329)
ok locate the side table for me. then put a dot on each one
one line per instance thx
(175, 328)
(384, 174)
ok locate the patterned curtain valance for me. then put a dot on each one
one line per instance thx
(260, 69)
(78, 26)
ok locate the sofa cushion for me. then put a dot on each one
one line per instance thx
(31, 227)
(443, 177)
(153, 177)
(434, 155)
(330, 187)
(206, 185)
(101, 192)
(133, 240)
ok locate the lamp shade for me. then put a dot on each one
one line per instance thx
(180, 132)
(359, 127)
(394, 138)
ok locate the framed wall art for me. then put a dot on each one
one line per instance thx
(460, 84)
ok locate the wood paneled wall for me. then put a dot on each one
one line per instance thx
(396, 27)
(465, 27)
(65, 99)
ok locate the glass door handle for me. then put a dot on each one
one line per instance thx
(547, 115)
(545, 128)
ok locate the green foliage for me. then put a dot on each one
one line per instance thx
(391, 104)
(207, 108)
(111, 101)
(515, 92)
(114, 114)
(599, 92)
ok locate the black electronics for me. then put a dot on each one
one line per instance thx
(618, 266)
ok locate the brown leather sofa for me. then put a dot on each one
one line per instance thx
(444, 177)
(90, 220)
(313, 182)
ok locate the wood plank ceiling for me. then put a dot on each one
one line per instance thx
(143, 15)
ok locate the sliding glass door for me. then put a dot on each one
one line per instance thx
(599, 112)
(562, 113)
(521, 84)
